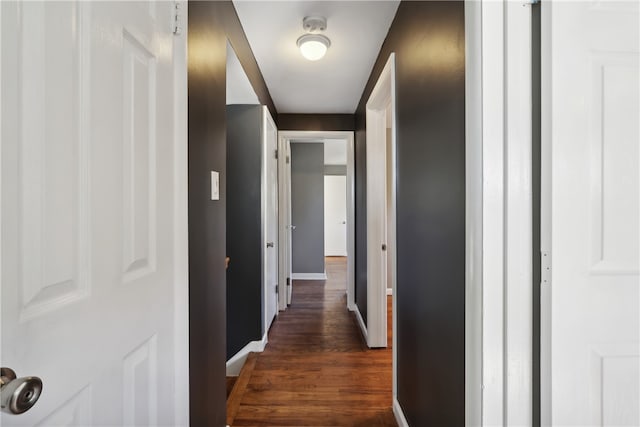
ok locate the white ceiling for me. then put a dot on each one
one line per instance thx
(333, 84)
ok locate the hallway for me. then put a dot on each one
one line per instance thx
(316, 369)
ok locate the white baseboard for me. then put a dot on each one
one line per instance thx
(309, 276)
(363, 327)
(397, 412)
(352, 307)
(389, 291)
(235, 364)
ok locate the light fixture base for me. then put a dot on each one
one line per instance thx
(314, 24)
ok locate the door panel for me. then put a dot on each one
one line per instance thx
(595, 206)
(87, 240)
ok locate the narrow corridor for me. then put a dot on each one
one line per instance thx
(316, 369)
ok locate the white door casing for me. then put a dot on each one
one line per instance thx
(382, 95)
(93, 206)
(270, 225)
(335, 215)
(590, 213)
(284, 222)
(286, 228)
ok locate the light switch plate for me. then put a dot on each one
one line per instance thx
(215, 185)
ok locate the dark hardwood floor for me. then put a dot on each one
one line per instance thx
(316, 369)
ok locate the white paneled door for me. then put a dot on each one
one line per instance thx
(591, 84)
(91, 210)
(335, 215)
(271, 220)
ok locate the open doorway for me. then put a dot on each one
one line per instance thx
(306, 142)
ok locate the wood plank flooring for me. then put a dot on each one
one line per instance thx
(316, 369)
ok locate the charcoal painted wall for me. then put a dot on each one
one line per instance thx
(316, 122)
(307, 207)
(244, 226)
(428, 40)
(210, 24)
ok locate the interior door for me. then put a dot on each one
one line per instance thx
(335, 215)
(284, 177)
(290, 227)
(271, 220)
(88, 204)
(591, 79)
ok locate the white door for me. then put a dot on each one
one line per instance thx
(88, 203)
(335, 215)
(284, 218)
(271, 220)
(286, 228)
(591, 85)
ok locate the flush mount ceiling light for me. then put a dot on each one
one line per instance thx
(313, 46)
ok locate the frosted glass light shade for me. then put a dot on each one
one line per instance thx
(313, 46)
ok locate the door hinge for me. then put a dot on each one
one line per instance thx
(288, 281)
(177, 18)
(277, 291)
(276, 154)
(545, 266)
(287, 159)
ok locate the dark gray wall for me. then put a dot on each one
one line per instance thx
(307, 207)
(244, 226)
(210, 24)
(536, 148)
(318, 122)
(428, 39)
(335, 169)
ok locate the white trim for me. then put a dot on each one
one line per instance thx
(546, 392)
(285, 138)
(399, 414)
(235, 364)
(309, 276)
(382, 95)
(507, 197)
(473, 221)
(363, 326)
(389, 291)
(181, 227)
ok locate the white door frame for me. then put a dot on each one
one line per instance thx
(499, 105)
(382, 95)
(473, 214)
(284, 195)
(181, 225)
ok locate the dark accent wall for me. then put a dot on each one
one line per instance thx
(536, 142)
(210, 24)
(316, 122)
(428, 40)
(307, 207)
(244, 226)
